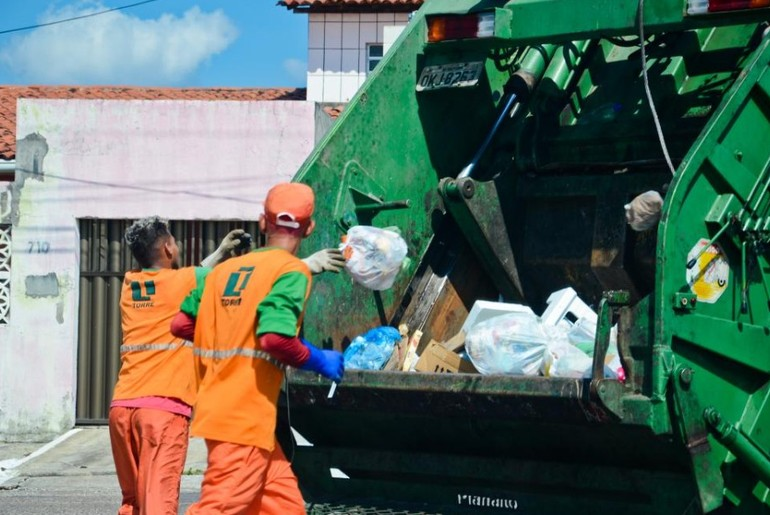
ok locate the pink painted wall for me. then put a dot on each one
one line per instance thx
(118, 159)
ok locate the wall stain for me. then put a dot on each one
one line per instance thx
(39, 286)
(6, 198)
(30, 157)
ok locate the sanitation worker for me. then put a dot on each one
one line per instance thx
(152, 402)
(246, 319)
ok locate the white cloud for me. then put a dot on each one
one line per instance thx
(117, 48)
(296, 68)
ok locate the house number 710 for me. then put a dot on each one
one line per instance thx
(38, 247)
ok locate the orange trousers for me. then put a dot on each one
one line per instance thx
(149, 447)
(245, 480)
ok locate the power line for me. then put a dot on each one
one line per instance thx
(30, 27)
(133, 187)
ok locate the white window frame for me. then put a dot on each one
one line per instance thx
(373, 59)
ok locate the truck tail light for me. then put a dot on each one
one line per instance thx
(713, 6)
(443, 28)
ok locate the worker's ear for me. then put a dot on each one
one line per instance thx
(168, 248)
(309, 230)
(262, 224)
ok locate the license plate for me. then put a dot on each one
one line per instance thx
(455, 75)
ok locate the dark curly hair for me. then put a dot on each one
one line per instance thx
(143, 236)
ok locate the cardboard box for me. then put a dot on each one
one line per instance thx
(436, 358)
(455, 343)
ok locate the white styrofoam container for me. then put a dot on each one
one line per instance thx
(567, 301)
(486, 309)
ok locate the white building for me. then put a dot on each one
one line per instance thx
(346, 40)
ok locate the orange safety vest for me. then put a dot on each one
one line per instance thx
(238, 382)
(154, 362)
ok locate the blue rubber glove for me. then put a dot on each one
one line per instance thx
(328, 363)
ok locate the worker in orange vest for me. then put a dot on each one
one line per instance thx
(153, 398)
(246, 321)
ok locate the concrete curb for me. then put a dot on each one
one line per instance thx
(83, 451)
(8, 467)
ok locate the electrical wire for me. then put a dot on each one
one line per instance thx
(288, 420)
(646, 79)
(132, 187)
(37, 26)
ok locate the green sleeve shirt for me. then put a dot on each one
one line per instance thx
(280, 311)
(192, 301)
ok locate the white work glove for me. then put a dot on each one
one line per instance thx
(326, 260)
(643, 212)
(229, 243)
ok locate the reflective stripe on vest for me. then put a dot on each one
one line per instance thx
(248, 353)
(154, 346)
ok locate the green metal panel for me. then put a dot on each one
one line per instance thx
(560, 21)
(724, 342)
(397, 155)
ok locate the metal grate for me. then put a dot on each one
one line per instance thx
(103, 261)
(350, 509)
(5, 274)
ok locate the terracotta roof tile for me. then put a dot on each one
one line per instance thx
(293, 4)
(9, 95)
(334, 111)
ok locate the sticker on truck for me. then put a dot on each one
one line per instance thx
(709, 277)
(454, 75)
(487, 502)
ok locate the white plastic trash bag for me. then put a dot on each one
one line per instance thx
(514, 343)
(374, 256)
(571, 353)
(562, 359)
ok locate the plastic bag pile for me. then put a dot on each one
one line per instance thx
(520, 343)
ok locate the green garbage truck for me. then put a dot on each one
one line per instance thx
(504, 139)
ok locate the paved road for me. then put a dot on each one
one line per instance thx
(75, 476)
(75, 495)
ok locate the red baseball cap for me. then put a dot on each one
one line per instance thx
(290, 205)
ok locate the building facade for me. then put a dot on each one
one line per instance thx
(346, 40)
(85, 167)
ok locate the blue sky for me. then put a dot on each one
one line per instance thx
(181, 43)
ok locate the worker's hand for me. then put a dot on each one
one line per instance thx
(326, 260)
(225, 249)
(328, 363)
(231, 241)
(643, 212)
